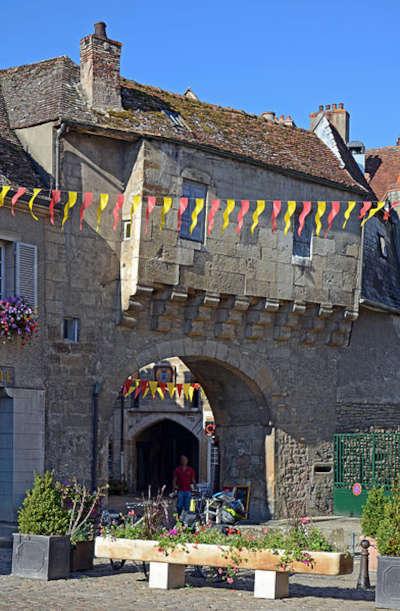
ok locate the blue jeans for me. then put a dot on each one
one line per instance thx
(183, 502)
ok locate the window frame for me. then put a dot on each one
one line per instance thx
(76, 329)
(300, 259)
(190, 183)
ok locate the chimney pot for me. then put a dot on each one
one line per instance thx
(321, 107)
(334, 106)
(398, 141)
(328, 107)
(269, 115)
(100, 30)
(341, 105)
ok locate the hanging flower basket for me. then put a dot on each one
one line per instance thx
(17, 320)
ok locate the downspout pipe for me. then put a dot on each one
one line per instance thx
(59, 134)
(95, 409)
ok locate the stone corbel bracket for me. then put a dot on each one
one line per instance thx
(200, 313)
(138, 304)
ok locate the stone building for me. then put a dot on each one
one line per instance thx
(277, 329)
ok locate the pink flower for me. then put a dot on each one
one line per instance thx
(305, 520)
(229, 579)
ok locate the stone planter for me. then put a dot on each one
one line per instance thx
(41, 557)
(82, 556)
(388, 582)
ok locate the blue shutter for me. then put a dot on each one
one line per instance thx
(193, 190)
(302, 243)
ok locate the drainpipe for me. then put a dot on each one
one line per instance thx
(95, 404)
(59, 134)
(121, 446)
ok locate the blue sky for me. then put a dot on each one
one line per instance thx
(283, 55)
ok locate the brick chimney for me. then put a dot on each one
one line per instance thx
(100, 69)
(337, 115)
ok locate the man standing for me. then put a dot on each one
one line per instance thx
(183, 481)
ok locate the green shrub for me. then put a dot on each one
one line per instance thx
(388, 535)
(373, 511)
(42, 511)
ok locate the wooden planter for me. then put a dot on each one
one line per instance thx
(82, 555)
(271, 580)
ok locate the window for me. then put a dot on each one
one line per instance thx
(71, 329)
(26, 272)
(302, 243)
(2, 272)
(175, 118)
(127, 230)
(382, 245)
(193, 190)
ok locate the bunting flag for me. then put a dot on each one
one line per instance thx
(186, 387)
(260, 207)
(31, 202)
(230, 205)
(302, 217)
(372, 212)
(276, 209)
(20, 192)
(387, 212)
(350, 207)
(244, 208)
(55, 198)
(117, 210)
(365, 207)
(4, 190)
(291, 207)
(321, 208)
(86, 203)
(153, 384)
(103, 203)
(144, 387)
(151, 204)
(167, 205)
(171, 389)
(195, 214)
(72, 199)
(215, 204)
(334, 211)
(179, 389)
(183, 204)
(136, 201)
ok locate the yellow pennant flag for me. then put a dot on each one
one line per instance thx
(30, 203)
(103, 202)
(4, 190)
(153, 387)
(260, 207)
(72, 197)
(349, 210)
(291, 207)
(372, 212)
(146, 391)
(191, 392)
(136, 201)
(132, 388)
(230, 205)
(321, 207)
(160, 392)
(186, 388)
(171, 389)
(167, 205)
(197, 209)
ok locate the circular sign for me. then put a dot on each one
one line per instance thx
(356, 489)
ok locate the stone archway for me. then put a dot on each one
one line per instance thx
(239, 388)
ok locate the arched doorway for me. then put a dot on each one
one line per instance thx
(158, 448)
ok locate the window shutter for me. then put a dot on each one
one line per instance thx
(26, 272)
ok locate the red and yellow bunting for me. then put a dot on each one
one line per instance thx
(158, 390)
(261, 211)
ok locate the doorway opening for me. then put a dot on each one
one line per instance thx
(158, 449)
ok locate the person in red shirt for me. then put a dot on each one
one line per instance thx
(183, 481)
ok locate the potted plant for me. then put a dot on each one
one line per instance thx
(371, 518)
(388, 539)
(82, 506)
(41, 548)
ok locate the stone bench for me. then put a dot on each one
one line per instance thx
(168, 571)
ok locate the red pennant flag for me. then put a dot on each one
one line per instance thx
(126, 386)
(302, 217)
(55, 198)
(151, 204)
(365, 207)
(276, 208)
(163, 386)
(334, 211)
(86, 203)
(386, 213)
(215, 204)
(20, 192)
(183, 204)
(179, 389)
(117, 210)
(143, 385)
(244, 208)
(138, 389)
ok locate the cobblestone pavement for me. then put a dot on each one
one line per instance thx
(103, 589)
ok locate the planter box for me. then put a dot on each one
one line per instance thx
(388, 583)
(41, 557)
(324, 563)
(82, 556)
